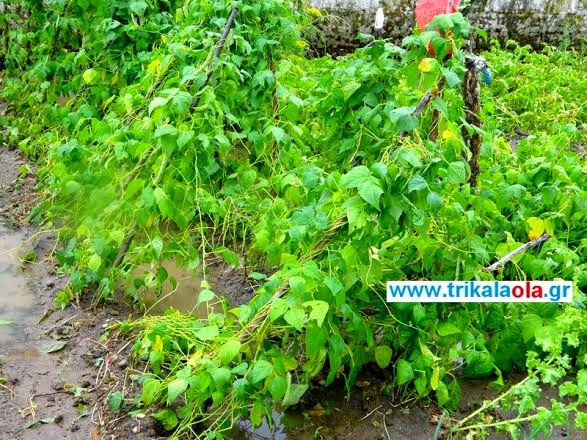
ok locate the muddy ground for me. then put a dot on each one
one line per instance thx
(52, 365)
(57, 369)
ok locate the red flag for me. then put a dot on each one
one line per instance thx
(426, 10)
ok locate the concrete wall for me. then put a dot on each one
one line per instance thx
(527, 21)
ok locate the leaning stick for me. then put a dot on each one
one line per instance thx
(219, 47)
(426, 99)
(131, 235)
(512, 254)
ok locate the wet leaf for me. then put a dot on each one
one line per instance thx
(175, 388)
(404, 372)
(383, 356)
(151, 388)
(55, 346)
(537, 227)
(260, 371)
(206, 333)
(35, 423)
(229, 351)
(168, 418)
(115, 400)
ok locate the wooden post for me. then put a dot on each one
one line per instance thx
(471, 96)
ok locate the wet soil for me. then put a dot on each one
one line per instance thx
(49, 363)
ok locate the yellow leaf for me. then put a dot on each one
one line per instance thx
(194, 358)
(155, 66)
(549, 227)
(149, 221)
(426, 65)
(435, 379)
(314, 12)
(82, 230)
(426, 351)
(448, 135)
(158, 344)
(90, 76)
(536, 227)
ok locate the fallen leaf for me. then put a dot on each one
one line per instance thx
(56, 346)
(34, 423)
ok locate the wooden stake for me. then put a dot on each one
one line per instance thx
(512, 254)
(471, 95)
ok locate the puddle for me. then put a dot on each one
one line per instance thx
(341, 419)
(16, 296)
(183, 296)
(227, 282)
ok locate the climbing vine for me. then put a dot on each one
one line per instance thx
(159, 143)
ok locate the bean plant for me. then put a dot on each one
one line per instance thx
(319, 177)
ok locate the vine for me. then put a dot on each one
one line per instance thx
(333, 178)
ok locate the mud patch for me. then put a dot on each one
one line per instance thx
(225, 281)
(54, 370)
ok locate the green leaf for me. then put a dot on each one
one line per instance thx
(165, 130)
(167, 417)
(138, 7)
(295, 318)
(434, 201)
(156, 103)
(260, 371)
(181, 102)
(205, 296)
(404, 118)
(257, 413)
(530, 325)
(315, 339)
(383, 356)
(241, 369)
(333, 284)
(319, 309)
(151, 388)
(91, 76)
(404, 372)
(163, 202)
(349, 88)
(206, 333)
(221, 376)
(229, 351)
(446, 328)
(456, 172)
(5, 322)
(368, 186)
(442, 395)
(435, 379)
(189, 73)
(115, 400)
(279, 134)
(371, 193)
(452, 78)
(95, 262)
(277, 309)
(550, 338)
(278, 387)
(55, 346)
(293, 394)
(356, 177)
(417, 183)
(35, 423)
(175, 388)
(157, 245)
